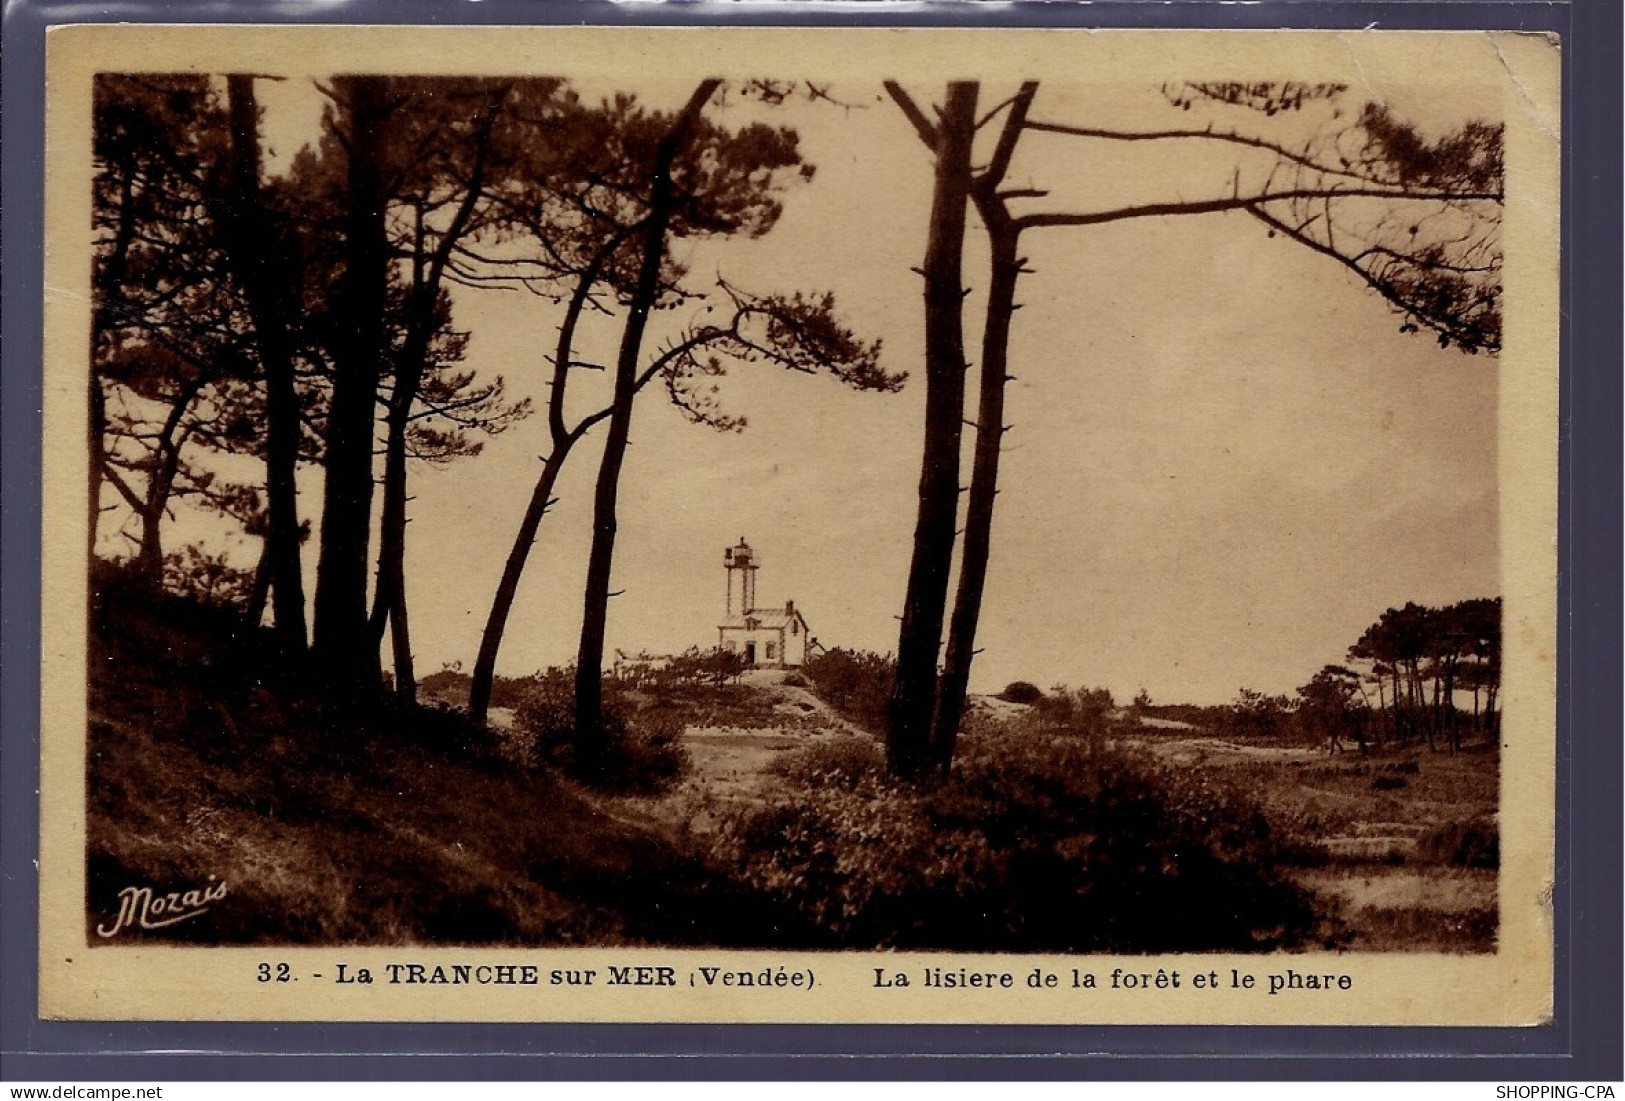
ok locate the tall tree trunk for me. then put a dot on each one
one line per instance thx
(1413, 729)
(541, 497)
(149, 558)
(400, 643)
(1401, 720)
(389, 599)
(1424, 715)
(1436, 715)
(589, 702)
(1450, 696)
(428, 269)
(98, 458)
(908, 736)
(161, 477)
(983, 489)
(252, 257)
(261, 588)
(109, 292)
(1477, 682)
(342, 636)
(1005, 268)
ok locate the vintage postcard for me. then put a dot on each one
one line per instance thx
(789, 525)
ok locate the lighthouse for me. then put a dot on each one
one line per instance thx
(772, 637)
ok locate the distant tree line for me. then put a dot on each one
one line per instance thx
(1421, 662)
(1417, 675)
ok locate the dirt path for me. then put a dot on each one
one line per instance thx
(734, 765)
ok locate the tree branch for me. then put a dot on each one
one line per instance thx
(1441, 325)
(994, 173)
(1209, 135)
(912, 112)
(123, 487)
(1215, 206)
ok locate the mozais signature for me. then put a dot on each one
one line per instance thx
(141, 908)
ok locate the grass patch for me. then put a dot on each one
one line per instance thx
(1422, 930)
(1412, 793)
(730, 706)
(1475, 844)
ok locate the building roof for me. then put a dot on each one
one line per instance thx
(769, 619)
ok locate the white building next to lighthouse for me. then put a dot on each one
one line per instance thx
(774, 637)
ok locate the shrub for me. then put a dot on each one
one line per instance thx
(1473, 844)
(858, 684)
(1032, 844)
(511, 692)
(638, 758)
(1021, 691)
(445, 729)
(840, 763)
(192, 573)
(1088, 716)
(694, 666)
(448, 684)
(634, 757)
(1257, 715)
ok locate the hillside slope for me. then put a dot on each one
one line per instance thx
(210, 762)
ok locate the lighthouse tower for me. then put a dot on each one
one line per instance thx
(740, 562)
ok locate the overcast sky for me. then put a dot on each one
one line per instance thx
(1225, 458)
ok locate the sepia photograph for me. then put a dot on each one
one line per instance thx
(970, 522)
